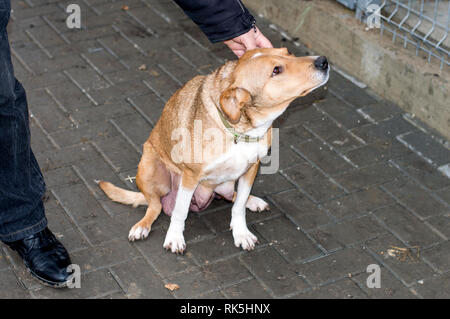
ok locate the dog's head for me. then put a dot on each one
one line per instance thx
(265, 81)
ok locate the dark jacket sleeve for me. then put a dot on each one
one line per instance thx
(220, 20)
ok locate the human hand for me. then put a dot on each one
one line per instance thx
(248, 41)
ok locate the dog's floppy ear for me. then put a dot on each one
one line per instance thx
(232, 100)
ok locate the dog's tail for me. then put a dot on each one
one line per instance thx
(121, 195)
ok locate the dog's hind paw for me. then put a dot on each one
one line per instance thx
(138, 232)
(256, 204)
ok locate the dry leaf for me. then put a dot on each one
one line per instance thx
(172, 287)
(125, 8)
(143, 67)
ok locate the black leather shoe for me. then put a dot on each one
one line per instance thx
(45, 257)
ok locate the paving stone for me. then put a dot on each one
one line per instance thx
(117, 44)
(165, 263)
(3, 260)
(342, 289)
(94, 114)
(47, 112)
(89, 33)
(138, 280)
(79, 204)
(377, 152)
(45, 36)
(227, 272)
(341, 112)
(97, 170)
(111, 94)
(426, 146)
(219, 219)
(23, 13)
(135, 127)
(106, 8)
(408, 270)
(279, 276)
(435, 288)
(114, 149)
(333, 133)
(311, 181)
(93, 284)
(444, 194)
(104, 255)
(336, 266)
(109, 229)
(367, 176)
(441, 223)
(87, 78)
(248, 289)
(439, 256)
(391, 287)
(84, 133)
(407, 226)
(40, 63)
(103, 61)
(301, 210)
(161, 84)
(358, 203)
(196, 229)
(323, 157)
(148, 105)
(380, 111)
(216, 248)
(333, 237)
(10, 287)
(293, 135)
(42, 80)
(297, 114)
(358, 98)
(192, 283)
(423, 172)
(288, 239)
(69, 95)
(416, 198)
(52, 159)
(266, 184)
(61, 177)
(385, 130)
(288, 157)
(41, 142)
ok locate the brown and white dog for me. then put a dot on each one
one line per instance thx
(238, 103)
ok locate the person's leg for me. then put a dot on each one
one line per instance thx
(21, 182)
(23, 225)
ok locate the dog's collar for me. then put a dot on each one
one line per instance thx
(237, 136)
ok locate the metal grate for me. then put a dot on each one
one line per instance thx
(419, 24)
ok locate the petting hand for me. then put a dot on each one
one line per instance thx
(248, 41)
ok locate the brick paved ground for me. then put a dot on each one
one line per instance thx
(357, 175)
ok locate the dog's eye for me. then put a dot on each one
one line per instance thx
(277, 70)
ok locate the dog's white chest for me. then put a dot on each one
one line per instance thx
(235, 161)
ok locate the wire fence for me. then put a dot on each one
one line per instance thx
(422, 25)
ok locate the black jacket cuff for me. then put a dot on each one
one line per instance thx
(220, 20)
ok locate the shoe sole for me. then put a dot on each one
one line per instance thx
(46, 282)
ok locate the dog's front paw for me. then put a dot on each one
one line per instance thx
(256, 204)
(245, 239)
(138, 231)
(175, 242)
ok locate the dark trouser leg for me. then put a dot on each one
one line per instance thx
(21, 182)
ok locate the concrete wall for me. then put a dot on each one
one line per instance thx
(388, 69)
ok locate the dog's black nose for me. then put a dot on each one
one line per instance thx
(321, 63)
